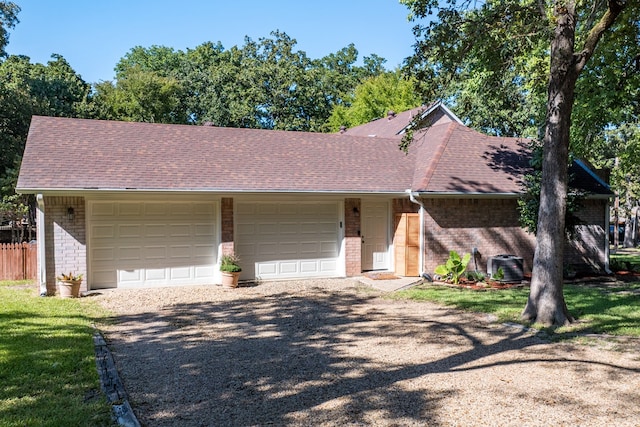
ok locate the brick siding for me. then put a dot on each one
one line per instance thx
(65, 239)
(587, 253)
(226, 218)
(492, 226)
(353, 242)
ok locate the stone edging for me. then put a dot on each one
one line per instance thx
(111, 385)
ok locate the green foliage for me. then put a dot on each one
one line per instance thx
(529, 202)
(230, 263)
(373, 98)
(454, 268)
(490, 62)
(486, 60)
(498, 275)
(47, 361)
(71, 277)
(27, 89)
(476, 276)
(263, 84)
(8, 19)
(141, 96)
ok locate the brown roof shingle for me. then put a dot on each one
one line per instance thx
(447, 158)
(66, 153)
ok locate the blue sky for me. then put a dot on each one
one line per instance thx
(93, 35)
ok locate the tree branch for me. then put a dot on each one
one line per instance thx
(614, 9)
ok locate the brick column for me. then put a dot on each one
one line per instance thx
(353, 242)
(226, 212)
(65, 239)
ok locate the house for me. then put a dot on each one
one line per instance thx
(141, 205)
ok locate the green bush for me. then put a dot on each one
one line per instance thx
(454, 268)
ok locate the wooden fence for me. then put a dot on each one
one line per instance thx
(18, 261)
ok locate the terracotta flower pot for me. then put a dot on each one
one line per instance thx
(230, 280)
(69, 288)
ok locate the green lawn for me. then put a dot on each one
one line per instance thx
(605, 309)
(48, 373)
(626, 259)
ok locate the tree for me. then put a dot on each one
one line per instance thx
(492, 38)
(8, 19)
(263, 84)
(28, 89)
(373, 98)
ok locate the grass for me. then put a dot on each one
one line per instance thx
(599, 309)
(47, 362)
(627, 259)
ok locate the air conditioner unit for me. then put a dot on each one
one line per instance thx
(511, 267)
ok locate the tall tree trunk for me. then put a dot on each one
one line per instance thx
(546, 303)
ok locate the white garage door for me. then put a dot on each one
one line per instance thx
(277, 240)
(152, 243)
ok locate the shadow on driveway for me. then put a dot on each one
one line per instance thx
(337, 358)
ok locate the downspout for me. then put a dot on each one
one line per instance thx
(413, 197)
(42, 258)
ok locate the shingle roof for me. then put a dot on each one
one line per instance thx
(447, 158)
(394, 125)
(452, 158)
(64, 153)
(385, 127)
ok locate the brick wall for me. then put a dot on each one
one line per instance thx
(353, 242)
(587, 253)
(492, 226)
(65, 239)
(463, 224)
(404, 206)
(226, 218)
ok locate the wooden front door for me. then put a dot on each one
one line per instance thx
(406, 240)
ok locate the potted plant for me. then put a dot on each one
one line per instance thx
(230, 269)
(69, 285)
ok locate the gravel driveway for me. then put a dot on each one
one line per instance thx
(336, 353)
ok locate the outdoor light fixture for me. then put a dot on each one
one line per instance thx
(70, 214)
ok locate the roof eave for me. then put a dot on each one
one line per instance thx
(79, 191)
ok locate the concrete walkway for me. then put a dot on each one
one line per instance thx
(390, 285)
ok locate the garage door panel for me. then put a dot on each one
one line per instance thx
(155, 274)
(105, 231)
(125, 276)
(267, 209)
(267, 249)
(129, 230)
(179, 230)
(179, 252)
(154, 230)
(130, 253)
(290, 248)
(246, 229)
(155, 252)
(140, 244)
(289, 228)
(155, 209)
(180, 273)
(204, 230)
(266, 228)
(266, 269)
(103, 254)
